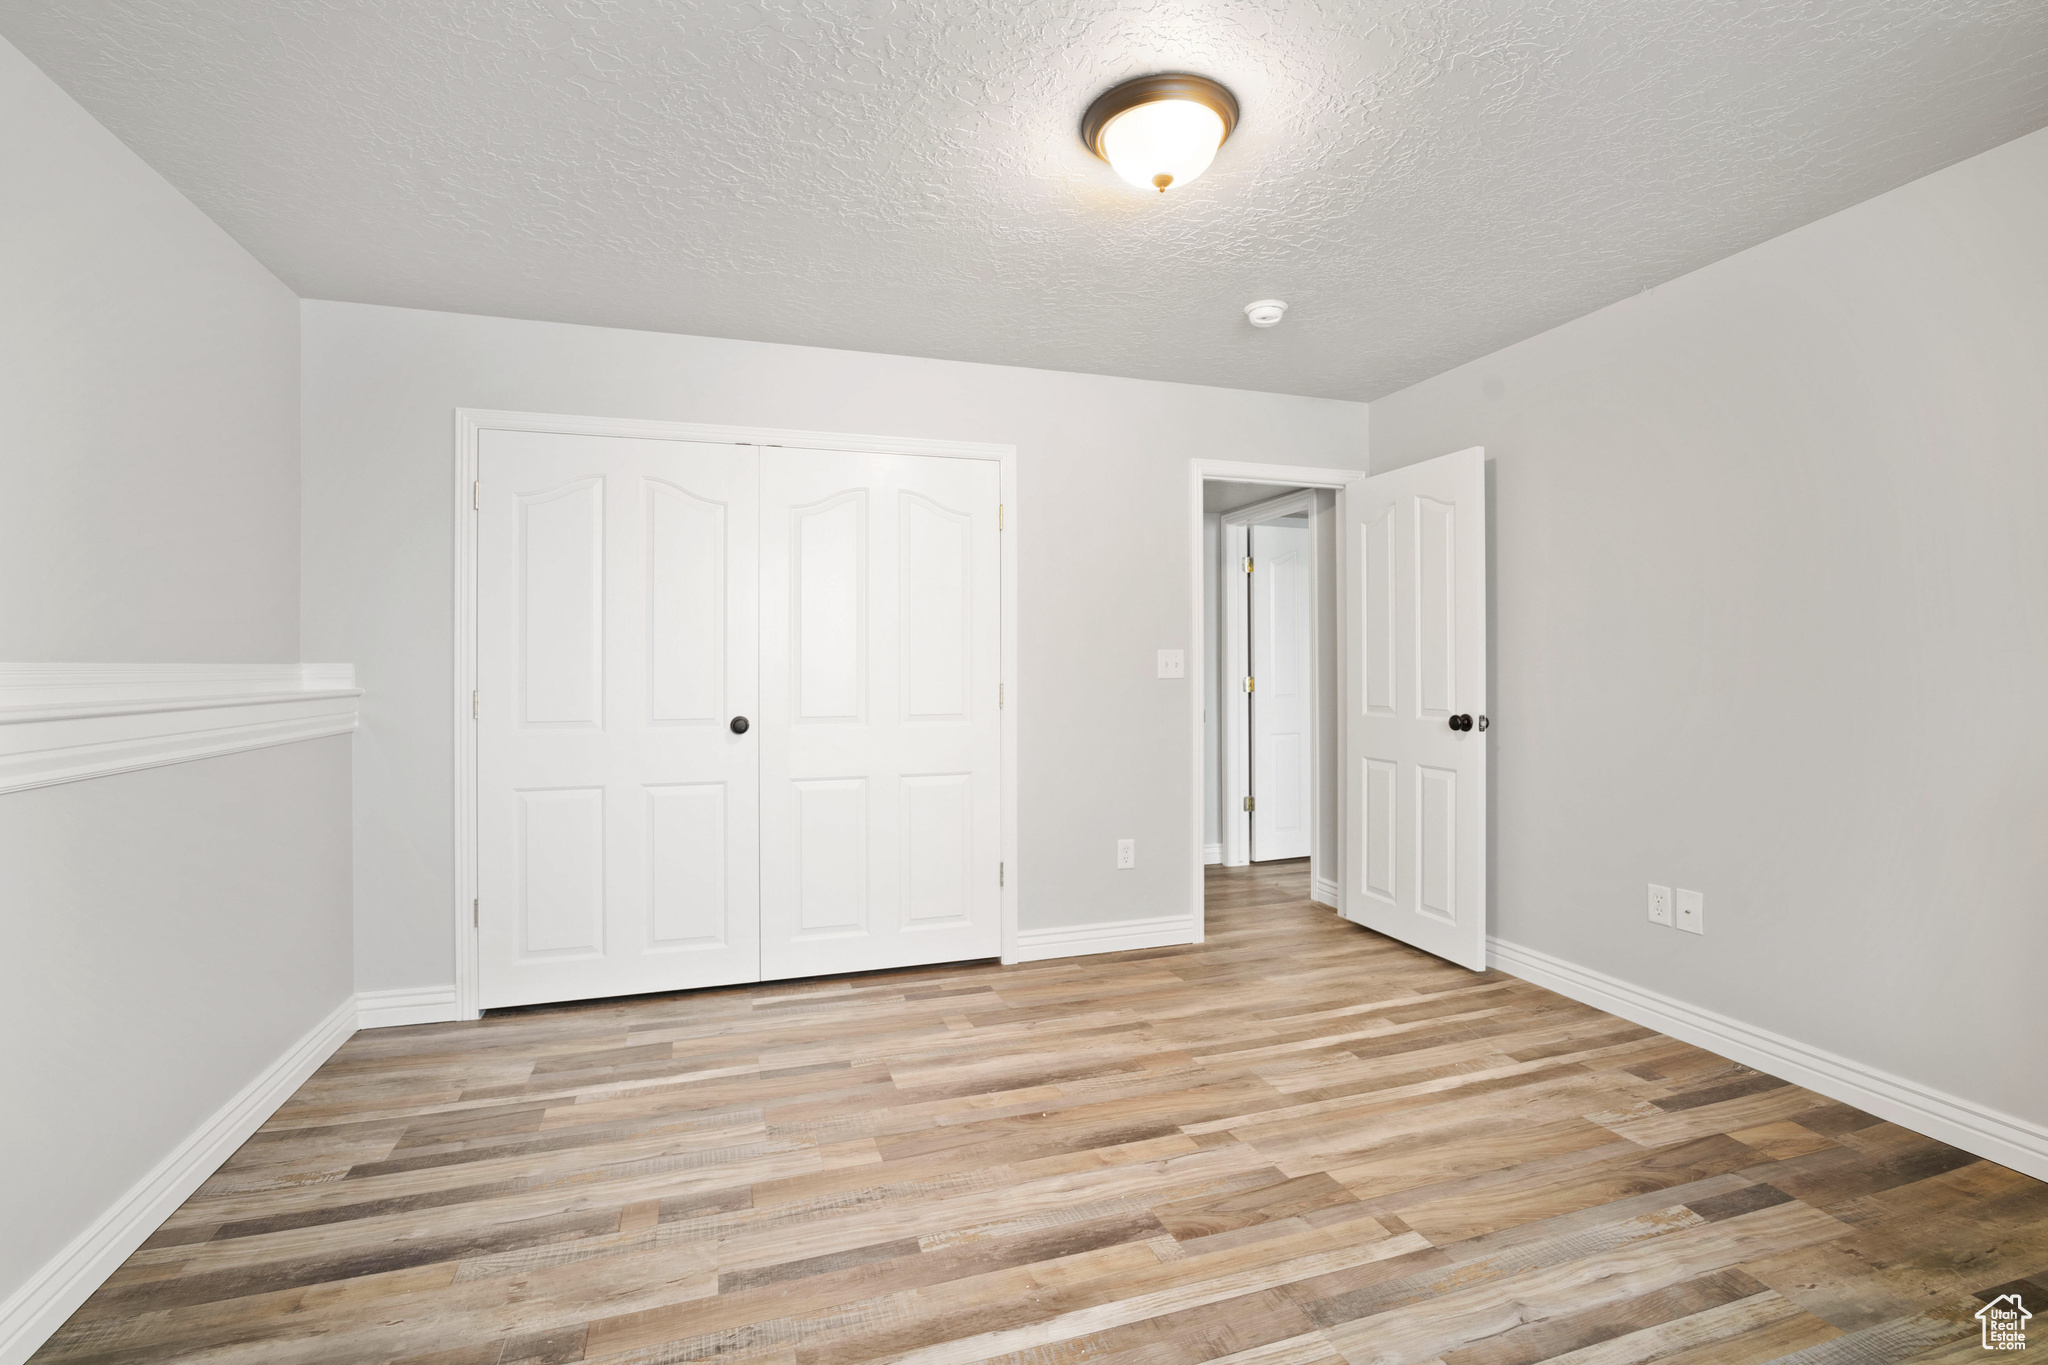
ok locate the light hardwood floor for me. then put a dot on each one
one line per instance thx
(1297, 1143)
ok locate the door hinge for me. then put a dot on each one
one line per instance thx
(1002, 872)
(1247, 563)
(1249, 802)
(1248, 683)
(476, 914)
(999, 516)
(999, 696)
(476, 495)
(473, 711)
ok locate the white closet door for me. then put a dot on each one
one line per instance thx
(1415, 761)
(880, 734)
(1279, 704)
(616, 809)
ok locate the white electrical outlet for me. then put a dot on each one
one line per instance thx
(1692, 911)
(1660, 904)
(1173, 663)
(1127, 853)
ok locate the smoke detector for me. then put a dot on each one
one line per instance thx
(1266, 312)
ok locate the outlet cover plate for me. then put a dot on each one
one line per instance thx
(1173, 663)
(1692, 911)
(1660, 904)
(1126, 853)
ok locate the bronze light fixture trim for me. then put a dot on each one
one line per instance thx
(1167, 140)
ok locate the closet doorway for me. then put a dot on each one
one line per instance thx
(737, 710)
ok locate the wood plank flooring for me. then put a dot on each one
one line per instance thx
(1296, 1144)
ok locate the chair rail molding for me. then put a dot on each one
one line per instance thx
(67, 722)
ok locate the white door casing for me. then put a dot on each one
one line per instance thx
(616, 810)
(1233, 706)
(1203, 693)
(1415, 786)
(1282, 757)
(880, 728)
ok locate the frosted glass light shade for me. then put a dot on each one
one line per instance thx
(1158, 132)
(1163, 144)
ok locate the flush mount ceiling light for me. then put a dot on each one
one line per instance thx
(1159, 131)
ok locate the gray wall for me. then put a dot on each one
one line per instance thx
(1102, 516)
(1771, 623)
(169, 933)
(148, 408)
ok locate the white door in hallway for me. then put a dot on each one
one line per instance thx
(1415, 691)
(616, 809)
(1281, 753)
(880, 734)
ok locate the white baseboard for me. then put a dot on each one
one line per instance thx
(1211, 854)
(1323, 891)
(1116, 936)
(2003, 1138)
(407, 1005)
(39, 1308)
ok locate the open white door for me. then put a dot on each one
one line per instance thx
(1281, 752)
(1415, 686)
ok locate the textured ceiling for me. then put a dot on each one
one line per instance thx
(1423, 182)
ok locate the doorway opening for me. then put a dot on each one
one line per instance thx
(1397, 688)
(1270, 674)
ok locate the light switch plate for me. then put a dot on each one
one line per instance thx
(1126, 853)
(1660, 904)
(1692, 911)
(1173, 663)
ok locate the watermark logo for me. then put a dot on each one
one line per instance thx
(2005, 1323)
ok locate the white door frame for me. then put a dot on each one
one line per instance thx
(1233, 727)
(470, 423)
(1282, 477)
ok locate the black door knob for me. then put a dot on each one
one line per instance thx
(739, 725)
(1461, 722)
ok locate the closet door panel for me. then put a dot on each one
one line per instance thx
(881, 729)
(617, 827)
